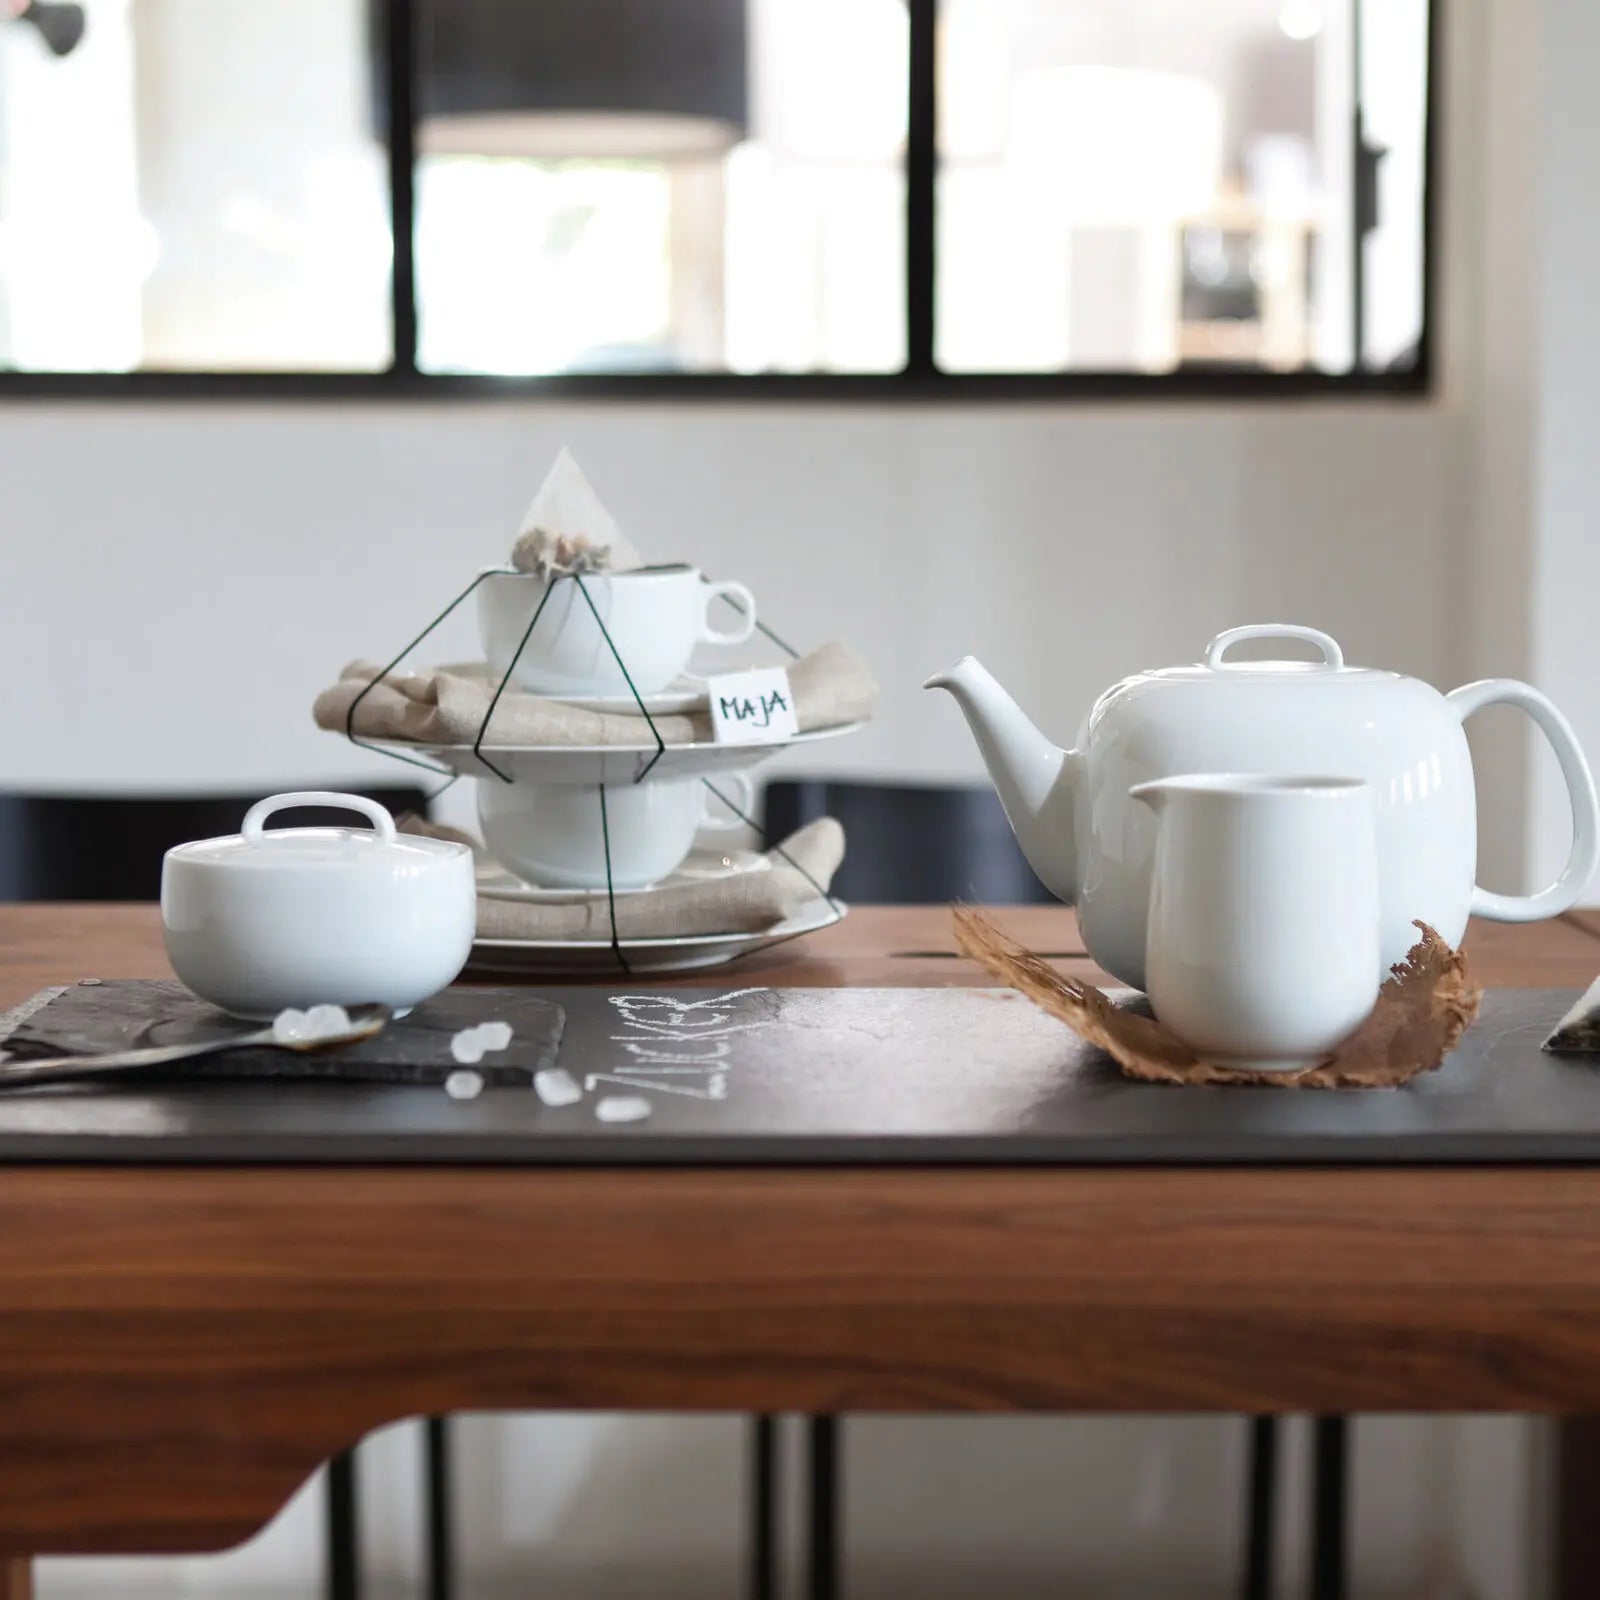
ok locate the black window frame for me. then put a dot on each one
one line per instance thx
(920, 380)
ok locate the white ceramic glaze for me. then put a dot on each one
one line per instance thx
(591, 764)
(1262, 945)
(530, 958)
(258, 921)
(703, 864)
(554, 835)
(685, 693)
(1092, 845)
(654, 617)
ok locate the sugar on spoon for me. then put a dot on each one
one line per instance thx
(364, 1022)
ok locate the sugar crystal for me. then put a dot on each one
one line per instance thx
(467, 1047)
(464, 1085)
(622, 1108)
(555, 1086)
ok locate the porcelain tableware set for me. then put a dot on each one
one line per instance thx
(1214, 890)
(571, 822)
(623, 639)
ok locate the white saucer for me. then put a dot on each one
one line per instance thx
(538, 957)
(684, 693)
(571, 763)
(698, 867)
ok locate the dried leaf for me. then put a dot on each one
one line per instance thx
(545, 554)
(1422, 1011)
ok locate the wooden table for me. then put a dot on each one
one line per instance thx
(180, 1347)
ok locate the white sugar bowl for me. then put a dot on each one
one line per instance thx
(256, 921)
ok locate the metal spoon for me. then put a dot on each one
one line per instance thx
(365, 1021)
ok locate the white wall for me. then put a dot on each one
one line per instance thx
(183, 578)
(1566, 445)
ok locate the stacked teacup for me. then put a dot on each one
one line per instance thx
(618, 642)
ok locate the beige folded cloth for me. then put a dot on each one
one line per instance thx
(447, 706)
(742, 902)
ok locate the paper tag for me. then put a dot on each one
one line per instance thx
(752, 707)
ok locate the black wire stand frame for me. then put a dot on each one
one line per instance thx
(452, 776)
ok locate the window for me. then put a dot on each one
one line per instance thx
(833, 196)
(1153, 185)
(745, 214)
(193, 186)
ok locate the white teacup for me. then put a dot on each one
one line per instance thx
(655, 618)
(1262, 950)
(551, 834)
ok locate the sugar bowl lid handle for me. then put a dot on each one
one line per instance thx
(255, 819)
(1332, 655)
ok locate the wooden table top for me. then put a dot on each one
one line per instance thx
(181, 1346)
(875, 946)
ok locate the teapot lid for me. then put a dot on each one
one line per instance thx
(1244, 676)
(1332, 663)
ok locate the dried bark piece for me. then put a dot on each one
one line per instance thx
(1422, 1011)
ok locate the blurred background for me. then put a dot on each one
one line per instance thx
(201, 185)
(1068, 332)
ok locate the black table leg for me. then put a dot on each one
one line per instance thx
(1261, 1509)
(823, 1523)
(1576, 1541)
(1329, 1516)
(762, 1467)
(343, 1579)
(438, 1485)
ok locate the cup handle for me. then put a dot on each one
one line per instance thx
(1585, 853)
(740, 597)
(744, 800)
(255, 819)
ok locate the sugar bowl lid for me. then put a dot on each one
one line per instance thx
(253, 848)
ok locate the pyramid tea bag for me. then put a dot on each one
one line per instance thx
(567, 529)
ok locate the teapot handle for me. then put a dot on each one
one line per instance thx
(1332, 655)
(1585, 853)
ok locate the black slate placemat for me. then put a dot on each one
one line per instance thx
(96, 1017)
(820, 1076)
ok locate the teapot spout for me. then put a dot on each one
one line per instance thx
(1034, 778)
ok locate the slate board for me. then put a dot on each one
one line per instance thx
(96, 1017)
(820, 1076)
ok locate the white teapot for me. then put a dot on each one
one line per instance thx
(1093, 846)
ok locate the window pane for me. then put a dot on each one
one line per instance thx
(195, 185)
(661, 186)
(1144, 185)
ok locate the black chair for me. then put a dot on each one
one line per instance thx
(911, 844)
(109, 847)
(915, 844)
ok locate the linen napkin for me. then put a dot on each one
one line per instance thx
(446, 705)
(742, 902)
